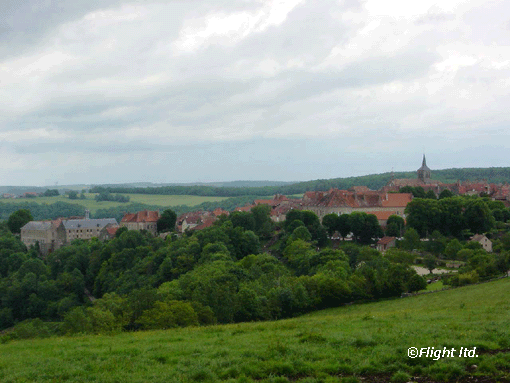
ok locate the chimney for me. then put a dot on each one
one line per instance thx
(87, 213)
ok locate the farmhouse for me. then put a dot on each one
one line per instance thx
(385, 243)
(484, 241)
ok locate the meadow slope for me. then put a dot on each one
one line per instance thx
(91, 204)
(363, 342)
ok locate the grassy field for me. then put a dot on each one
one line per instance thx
(365, 343)
(92, 205)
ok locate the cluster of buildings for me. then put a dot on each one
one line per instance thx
(52, 234)
(382, 203)
(498, 192)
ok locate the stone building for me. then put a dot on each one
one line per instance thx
(42, 232)
(72, 229)
(143, 220)
(484, 241)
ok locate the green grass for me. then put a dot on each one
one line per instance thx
(92, 205)
(354, 341)
(434, 286)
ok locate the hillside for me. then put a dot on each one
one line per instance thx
(363, 342)
(261, 188)
(373, 181)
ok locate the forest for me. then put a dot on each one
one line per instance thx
(243, 268)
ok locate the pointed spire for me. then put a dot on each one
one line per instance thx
(424, 162)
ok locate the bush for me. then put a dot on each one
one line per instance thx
(167, 315)
(34, 328)
(76, 321)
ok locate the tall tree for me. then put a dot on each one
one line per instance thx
(167, 221)
(18, 219)
(478, 216)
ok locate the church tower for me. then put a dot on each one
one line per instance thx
(424, 171)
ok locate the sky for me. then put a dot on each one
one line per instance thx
(113, 91)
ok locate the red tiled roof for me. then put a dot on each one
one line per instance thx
(381, 215)
(112, 230)
(141, 216)
(208, 223)
(219, 211)
(244, 208)
(397, 199)
(385, 240)
(339, 198)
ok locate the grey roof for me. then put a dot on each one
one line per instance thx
(88, 223)
(424, 164)
(37, 225)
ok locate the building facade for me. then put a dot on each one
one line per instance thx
(43, 233)
(85, 229)
(143, 220)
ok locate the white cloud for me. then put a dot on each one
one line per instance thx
(230, 28)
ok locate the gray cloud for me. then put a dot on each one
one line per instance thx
(228, 90)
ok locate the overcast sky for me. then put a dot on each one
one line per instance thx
(110, 91)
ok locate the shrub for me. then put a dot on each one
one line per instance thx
(166, 315)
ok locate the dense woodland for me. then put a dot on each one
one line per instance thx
(243, 268)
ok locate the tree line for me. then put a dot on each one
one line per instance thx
(374, 181)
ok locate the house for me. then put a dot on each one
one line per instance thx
(42, 232)
(385, 243)
(85, 229)
(143, 220)
(108, 232)
(484, 241)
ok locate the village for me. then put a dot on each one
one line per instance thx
(50, 235)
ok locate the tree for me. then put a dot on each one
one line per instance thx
(344, 225)
(264, 226)
(167, 221)
(73, 194)
(430, 262)
(416, 283)
(365, 227)
(243, 219)
(411, 240)
(423, 215)
(18, 219)
(478, 216)
(51, 193)
(445, 194)
(430, 195)
(395, 226)
(330, 223)
(453, 247)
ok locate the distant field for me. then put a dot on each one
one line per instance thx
(92, 205)
(357, 343)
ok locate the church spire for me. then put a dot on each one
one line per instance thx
(424, 171)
